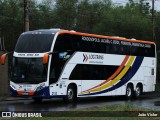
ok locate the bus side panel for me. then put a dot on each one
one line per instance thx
(149, 74)
(145, 76)
(87, 84)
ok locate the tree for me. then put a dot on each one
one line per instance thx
(65, 12)
(157, 29)
(92, 16)
(11, 23)
(41, 15)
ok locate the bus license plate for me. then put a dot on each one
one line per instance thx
(24, 93)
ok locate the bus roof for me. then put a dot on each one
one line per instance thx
(43, 31)
(102, 36)
(62, 31)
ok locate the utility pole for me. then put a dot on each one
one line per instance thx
(26, 15)
(0, 41)
(153, 21)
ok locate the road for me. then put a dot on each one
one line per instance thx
(145, 101)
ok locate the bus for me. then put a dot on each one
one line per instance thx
(51, 63)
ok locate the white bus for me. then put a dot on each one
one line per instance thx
(68, 64)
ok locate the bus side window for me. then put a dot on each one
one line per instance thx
(152, 51)
(78, 46)
(52, 76)
(133, 50)
(93, 47)
(102, 49)
(114, 49)
(126, 50)
(107, 48)
(146, 52)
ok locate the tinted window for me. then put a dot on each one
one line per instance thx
(75, 43)
(34, 43)
(142, 51)
(92, 72)
(63, 44)
(29, 70)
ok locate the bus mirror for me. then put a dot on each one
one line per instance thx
(45, 58)
(3, 58)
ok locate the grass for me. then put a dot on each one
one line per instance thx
(126, 107)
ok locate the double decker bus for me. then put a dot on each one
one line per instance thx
(53, 63)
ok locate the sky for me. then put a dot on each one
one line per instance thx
(157, 3)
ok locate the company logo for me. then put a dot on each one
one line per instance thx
(19, 114)
(6, 114)
(92, 57)
(85, 59)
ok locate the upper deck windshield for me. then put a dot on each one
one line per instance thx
(28, 70)
(34, 43)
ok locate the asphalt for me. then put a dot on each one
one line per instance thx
(8, 98)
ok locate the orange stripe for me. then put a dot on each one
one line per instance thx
(29, 92)
(115, 74)
(119, 69)
(102, 36)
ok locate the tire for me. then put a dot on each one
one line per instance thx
(137, 92)
(129, 92)
(36, 99)
(71, 95)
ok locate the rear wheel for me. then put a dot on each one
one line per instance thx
(138, 91)
(71, 94)
(129, 92)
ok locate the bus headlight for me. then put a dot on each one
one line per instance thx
(13, 87)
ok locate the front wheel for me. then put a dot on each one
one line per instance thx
(71, 95)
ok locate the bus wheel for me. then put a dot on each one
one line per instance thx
(36, 99)
(129, 92)
(71, 95)
(138, 91)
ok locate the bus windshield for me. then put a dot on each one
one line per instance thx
(34, 43)
(28, 70)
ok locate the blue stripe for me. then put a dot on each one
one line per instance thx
(137, 63)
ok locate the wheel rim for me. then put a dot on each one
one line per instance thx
(70, 94)
(129, 92)
(138, 91)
